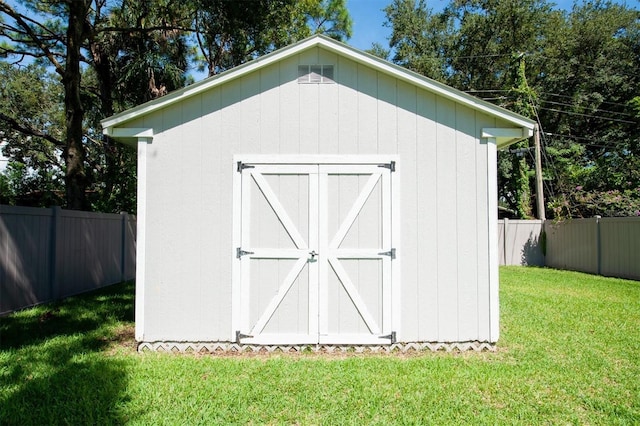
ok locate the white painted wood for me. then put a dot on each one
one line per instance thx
(282, 292)
(289, 126)
(323, 246)
(328, 118)
(347, 104)
(314, 273)
(387, 261)
(250, 118)
(353, 339)
(325, 256)
(245, 243)
(354, 294)
(355, 210)
(466, 224)
(367, 110)
(482, 221)
(387, 123)
(272, 199)
(446, 211)
(141, 207)
(237, 295)
(302, 48)
(300, 159)
(280, 339)
(269, 99)
(492, 201)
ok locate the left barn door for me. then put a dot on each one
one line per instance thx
(278, 254)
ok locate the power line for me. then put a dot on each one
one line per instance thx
(571, 97)
(585, 107)
(618, 120)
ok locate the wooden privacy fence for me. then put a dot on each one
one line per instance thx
(48, 254)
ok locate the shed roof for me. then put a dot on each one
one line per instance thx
(115, 125)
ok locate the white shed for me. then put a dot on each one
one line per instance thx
(317, 196)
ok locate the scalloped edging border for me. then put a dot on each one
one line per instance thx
(229, 347)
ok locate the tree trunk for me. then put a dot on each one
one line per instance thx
(74, 155)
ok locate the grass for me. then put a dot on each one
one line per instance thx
(569, 353)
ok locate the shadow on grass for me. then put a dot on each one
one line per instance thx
(52, 366)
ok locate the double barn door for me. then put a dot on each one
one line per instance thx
(315, 253)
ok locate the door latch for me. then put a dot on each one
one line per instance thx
(313, 255)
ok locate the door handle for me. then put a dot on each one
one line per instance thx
(313, 255)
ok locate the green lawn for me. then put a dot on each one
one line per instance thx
(569, 353)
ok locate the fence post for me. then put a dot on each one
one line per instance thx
(505, 226)
(54, 285)
(124, 218)
(598, 245)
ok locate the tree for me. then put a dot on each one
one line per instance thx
(231, 33)
(109, 56)
(582, 70)
(59, 42)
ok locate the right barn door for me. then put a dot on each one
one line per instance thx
(356, 254)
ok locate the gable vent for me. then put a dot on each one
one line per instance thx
(315, 74)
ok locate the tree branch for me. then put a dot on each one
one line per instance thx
(20, 20)
(146, 30)
(30, 131)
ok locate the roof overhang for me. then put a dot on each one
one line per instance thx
(112, 124)
(507, 136)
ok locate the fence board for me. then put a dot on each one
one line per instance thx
(620, 247)
(572, 245)
(46, 254)
(520, 242)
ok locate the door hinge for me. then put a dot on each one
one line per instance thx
(391, 253)
(391, 337)
(241, 336)
(391, 166)
(240, 252)
(242, 166)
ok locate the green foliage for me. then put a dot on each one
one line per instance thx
(569, 353)
(329, 17)
(131, 52)
(575, 72)
(231, 33)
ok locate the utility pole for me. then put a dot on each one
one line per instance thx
(539, 193)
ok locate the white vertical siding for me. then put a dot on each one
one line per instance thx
(407, 131)
(444, 252)
(347, 104)
(367, 105)
(446, 212)
(215, 300)
(424, 241)
(467, 246)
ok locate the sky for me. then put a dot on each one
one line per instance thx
(368, 19)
